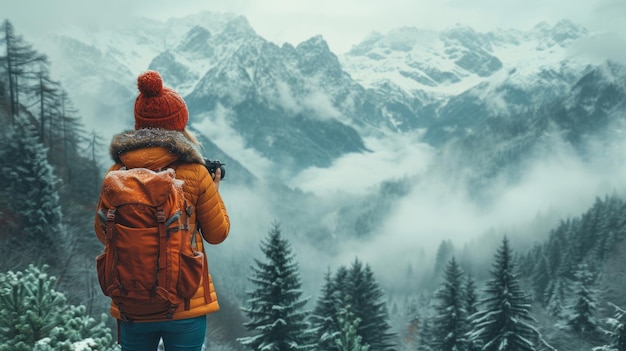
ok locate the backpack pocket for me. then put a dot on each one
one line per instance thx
(101, 269)
(190, 274)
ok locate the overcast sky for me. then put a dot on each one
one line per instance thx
(342, 23)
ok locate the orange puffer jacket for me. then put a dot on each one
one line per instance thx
(158, 149)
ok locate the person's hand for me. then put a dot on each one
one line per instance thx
(217, 177)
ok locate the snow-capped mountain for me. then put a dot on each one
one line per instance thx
(301, 106)
(284, 101)
(99, 65)
(448, 81)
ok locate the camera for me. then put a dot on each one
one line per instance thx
(212, 167)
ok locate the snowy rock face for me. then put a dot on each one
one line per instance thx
(304, 106)
(455, 79)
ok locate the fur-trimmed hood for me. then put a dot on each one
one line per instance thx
(174, 141)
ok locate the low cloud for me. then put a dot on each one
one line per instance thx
(555, 184)
(357, 173)
(601, 47)
(314, 103)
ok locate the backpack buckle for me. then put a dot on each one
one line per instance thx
(160, 216)
(111, 215)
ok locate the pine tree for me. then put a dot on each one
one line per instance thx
(47, 94)
(541, 277)
(19, 60)
(94, 144)
(471, 296)
(364, 294)
(582, 319)
(324, 316)
(70, 144)
(30, 182)
(555, 295)
(348, 339)
(450, 323)
(471, 306)
(617, 331)
(444, 252)
(275, 306)
(426, 336)
(354, 286)
(505, 322)
(34, 316)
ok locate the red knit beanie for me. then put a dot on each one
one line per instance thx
(158, 106)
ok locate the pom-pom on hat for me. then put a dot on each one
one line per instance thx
(158, 106)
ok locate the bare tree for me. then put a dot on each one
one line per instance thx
(19, 59)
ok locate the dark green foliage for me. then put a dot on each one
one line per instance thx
(504, 323)
(348, 339)
(471, 296)
(583, 316)
(471, 306)
(364, 294)
(48, 184)
(617, 331)
(275, 307)
(426, 338)
(34, 209)
(588, 239)
(34, 316)
(324, 316)
(354, 286)
(450, 323)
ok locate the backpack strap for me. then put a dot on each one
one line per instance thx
(205, 267)
(163, 277)
(110, 220)
(205, 279)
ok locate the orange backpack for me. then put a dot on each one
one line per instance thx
(149, 266)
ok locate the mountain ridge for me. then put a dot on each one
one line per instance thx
(286, 101)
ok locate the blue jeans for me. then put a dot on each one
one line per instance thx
(178, 335)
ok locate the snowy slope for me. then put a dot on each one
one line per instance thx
(449, 73)
(445, 64)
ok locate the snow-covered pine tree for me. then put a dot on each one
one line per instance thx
(450, 322)
(541, 277)
(34, 316)
(617, 331)
(471, 296)
(275, 307)
(324, 317)
(366, 298)
(348, 339)
(505, 323)
(605, 229)
(471, 307)
(357, 287)
(425, 340)
(582, 318)
(32, 185)
(556, 293)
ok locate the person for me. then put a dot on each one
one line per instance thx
(161, 140)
